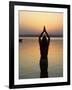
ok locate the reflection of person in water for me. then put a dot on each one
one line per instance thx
(44, 41)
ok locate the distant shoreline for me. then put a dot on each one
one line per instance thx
(38, 36)
(59, 38)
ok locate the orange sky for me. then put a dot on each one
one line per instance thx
(33, 22)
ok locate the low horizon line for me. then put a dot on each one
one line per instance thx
(55, 38)
(38, 36)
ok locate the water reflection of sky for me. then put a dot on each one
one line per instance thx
(29, 58)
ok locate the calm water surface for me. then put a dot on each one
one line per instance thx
(29, 58)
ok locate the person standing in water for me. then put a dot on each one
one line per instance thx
(44, 41)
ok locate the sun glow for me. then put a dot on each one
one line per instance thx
(34, 21)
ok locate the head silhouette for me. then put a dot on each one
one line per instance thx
(44, 41)
(44, 38)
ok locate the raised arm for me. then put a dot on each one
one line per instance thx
(40, 36)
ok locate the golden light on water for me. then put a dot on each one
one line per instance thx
(30, 58)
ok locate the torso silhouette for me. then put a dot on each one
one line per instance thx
(44, 44)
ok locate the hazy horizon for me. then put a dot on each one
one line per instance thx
(32, 23)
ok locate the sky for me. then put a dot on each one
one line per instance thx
(32, 23)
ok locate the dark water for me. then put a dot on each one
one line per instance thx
(29, 58)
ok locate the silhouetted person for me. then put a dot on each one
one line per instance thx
(43, 67)
(44, 41)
